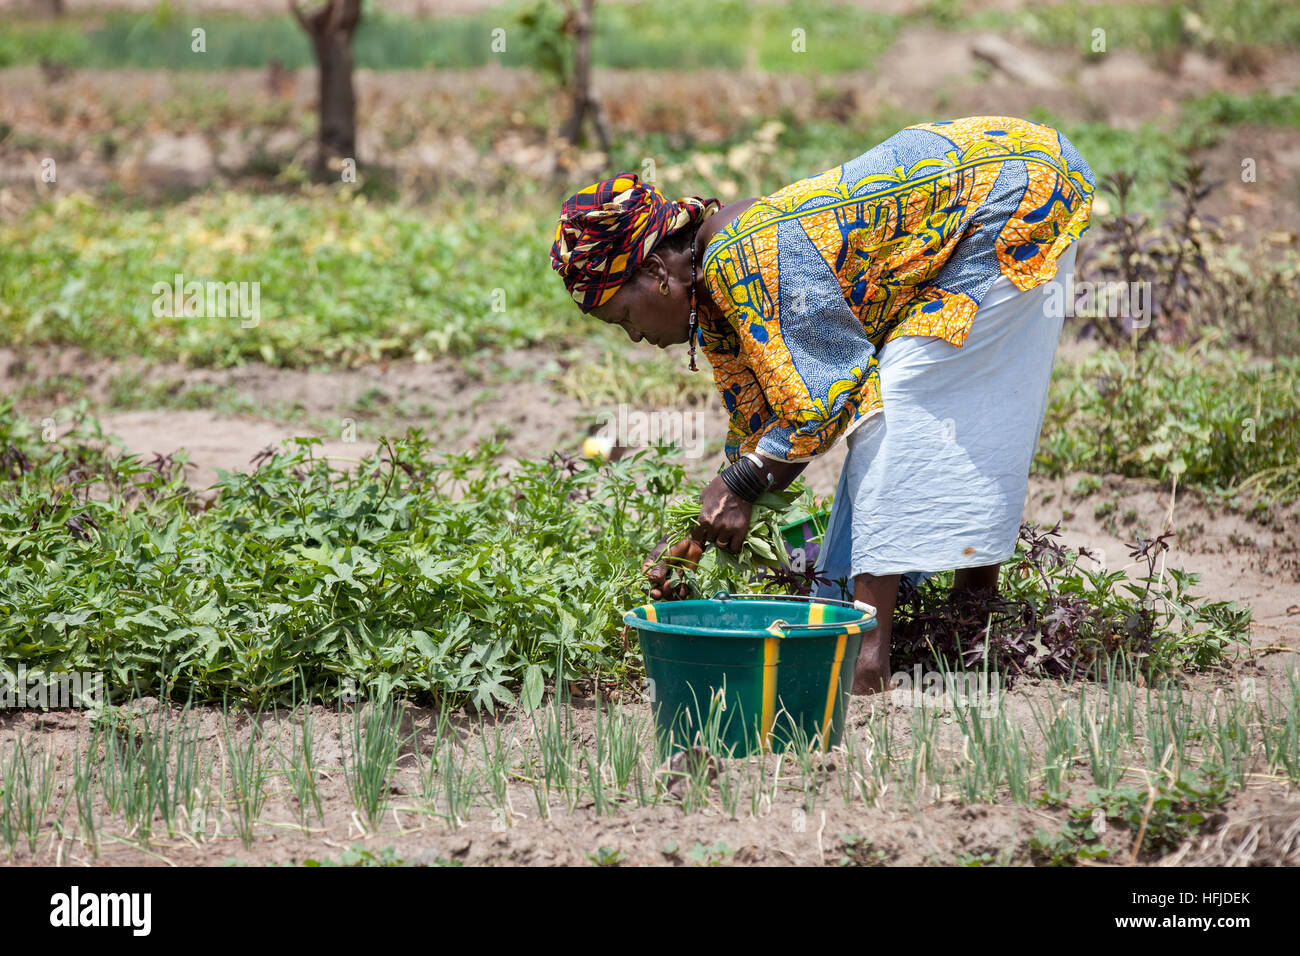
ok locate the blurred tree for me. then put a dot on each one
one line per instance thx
(581, 24)
(561, 38)
(331, 24)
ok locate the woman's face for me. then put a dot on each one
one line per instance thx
(642, 310)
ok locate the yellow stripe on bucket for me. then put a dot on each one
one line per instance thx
(771, 657)
(650, 613)
(833, 691)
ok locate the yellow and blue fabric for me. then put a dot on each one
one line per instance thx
(813, 280)
(606, 231)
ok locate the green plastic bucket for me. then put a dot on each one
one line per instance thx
(750, 672)
(805, 529)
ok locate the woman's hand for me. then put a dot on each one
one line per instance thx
(724, 516)
(658, 567)
(724, 521)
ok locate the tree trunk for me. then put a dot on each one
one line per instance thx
(338, 105)
(583, 22)
(331, 27)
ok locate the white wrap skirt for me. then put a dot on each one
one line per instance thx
(937, 479)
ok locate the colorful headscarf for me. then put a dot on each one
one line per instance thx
(607, 230)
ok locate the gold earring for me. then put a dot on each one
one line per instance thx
(663, 287)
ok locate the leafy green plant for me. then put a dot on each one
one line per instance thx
(859, 850)
(387, 293)
(359, 856)
(1077, 840)
(627, 36)
(702, 854)
(447, 578)
(604, 856)
(1169, 414)
(1216, 27)
(1165, 815)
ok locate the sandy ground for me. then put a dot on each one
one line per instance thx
(775, 822)
(266, 406)
(1239, 559)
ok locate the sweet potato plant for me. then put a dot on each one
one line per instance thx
(451, 578)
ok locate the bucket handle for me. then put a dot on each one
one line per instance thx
(780, 627)
(862, 606)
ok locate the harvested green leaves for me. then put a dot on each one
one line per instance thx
(762, 553)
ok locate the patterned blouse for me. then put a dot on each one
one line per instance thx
(813, 280)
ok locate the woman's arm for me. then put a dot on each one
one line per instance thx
(725, 515)
(796, 334)
(785, 472)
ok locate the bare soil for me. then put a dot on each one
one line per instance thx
(773, 823)
(276, 404)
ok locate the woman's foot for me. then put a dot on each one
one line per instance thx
(871, 671)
